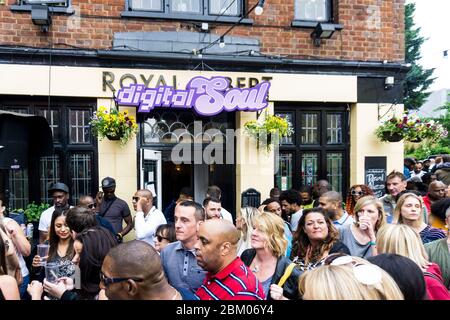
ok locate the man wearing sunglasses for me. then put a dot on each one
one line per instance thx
(88, 202)
(147, 218)
(133, 271)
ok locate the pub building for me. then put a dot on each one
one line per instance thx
(333, 105)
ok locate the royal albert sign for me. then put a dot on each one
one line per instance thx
(207, 97)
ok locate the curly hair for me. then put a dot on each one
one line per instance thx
(301, 242)
(350, 201)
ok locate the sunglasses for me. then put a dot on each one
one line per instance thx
(91, 205)
(135, 199)
(107, 280)
(367, 274)
(161, 238)
(359, 193)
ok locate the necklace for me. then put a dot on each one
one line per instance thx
(255, 268)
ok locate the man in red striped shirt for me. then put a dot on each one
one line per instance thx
(228, 278)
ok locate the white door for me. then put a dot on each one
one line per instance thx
(151, 175)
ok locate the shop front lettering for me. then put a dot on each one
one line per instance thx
(208, 97)
(110, 81)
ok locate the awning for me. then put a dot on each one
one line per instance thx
(23, 137)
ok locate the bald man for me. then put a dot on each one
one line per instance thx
(133, 271)
(331, 202)
(147, 218)
(436, 192)
(227, 278)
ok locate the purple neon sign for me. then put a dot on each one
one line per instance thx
(208, 97)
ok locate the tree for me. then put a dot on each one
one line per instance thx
(418, 79)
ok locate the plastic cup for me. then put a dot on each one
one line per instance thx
(51, 272)
(42, 251)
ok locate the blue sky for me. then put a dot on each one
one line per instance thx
(433, 16)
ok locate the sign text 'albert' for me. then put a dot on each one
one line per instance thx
(207, 96)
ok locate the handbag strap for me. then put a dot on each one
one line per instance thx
(287, 274)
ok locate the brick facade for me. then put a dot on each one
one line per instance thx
(373, 30)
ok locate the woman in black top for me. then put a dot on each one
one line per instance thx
(315, 239)
(266, 257)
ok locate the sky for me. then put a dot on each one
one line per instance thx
(433, 16)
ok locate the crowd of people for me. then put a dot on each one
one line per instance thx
(312, 243)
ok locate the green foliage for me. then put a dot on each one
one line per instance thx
(418, 79)
(267, 131)
(33, 211)
(425, 150)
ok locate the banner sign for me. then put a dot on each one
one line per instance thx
(207, 97)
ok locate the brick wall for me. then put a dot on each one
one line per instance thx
(373, 29)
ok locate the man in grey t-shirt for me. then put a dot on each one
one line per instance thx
(178, 258)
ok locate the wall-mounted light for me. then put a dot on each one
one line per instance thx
(388, 83)
(222, 42)
(40, 15)
(259, 8)
(322, 31)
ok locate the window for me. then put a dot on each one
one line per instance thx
(318, 149)
(74, 161)
(60, 6)
(313, 10)
(55, 3)
(196, 10)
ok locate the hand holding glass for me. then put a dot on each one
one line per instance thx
(42, 251)
(51, 272)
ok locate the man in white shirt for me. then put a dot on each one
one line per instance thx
(147, 218)
(214, 210)
(215, 192)
(60, 194)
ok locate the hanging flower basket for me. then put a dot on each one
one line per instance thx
(268, 131)
(113, 137)
(392, 137)
(411, 128)
(115, 125)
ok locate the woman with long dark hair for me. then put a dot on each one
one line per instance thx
(315, 238)
(60, 248)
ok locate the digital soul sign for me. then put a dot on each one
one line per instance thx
(207, 97)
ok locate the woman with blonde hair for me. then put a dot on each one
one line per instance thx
(403, 240)
(244, 223)
(266, 258)
(409, 211)
(360, 237)
(349, 278)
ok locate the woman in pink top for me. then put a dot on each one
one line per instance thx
(403, 240)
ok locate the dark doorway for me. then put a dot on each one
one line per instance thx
(175, 177)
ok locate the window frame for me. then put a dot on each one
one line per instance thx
(67, 9)
(311, 24)
(322, 148)
(203, 17)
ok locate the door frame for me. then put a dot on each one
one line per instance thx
(153, 155)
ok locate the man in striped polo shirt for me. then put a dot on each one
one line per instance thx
(228, 278)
